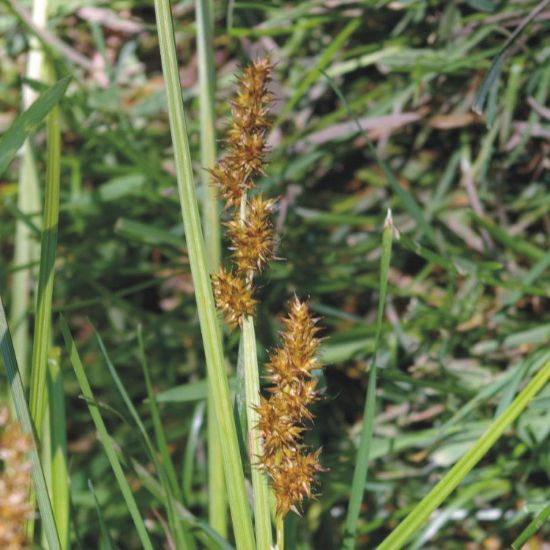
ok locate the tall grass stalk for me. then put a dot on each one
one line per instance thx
(362, 461)
(26, 250)
(217, 509)
(403, 532)
(238, 502)
(40, 391)
(260, 486)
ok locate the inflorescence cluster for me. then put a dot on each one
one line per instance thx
(282, 417)
(15, 472)
(284, 414)
(249, 230)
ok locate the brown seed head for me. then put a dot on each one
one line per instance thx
(252, 240)
(233, 297)
(283, 415)
(246, 137)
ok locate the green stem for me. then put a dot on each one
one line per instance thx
(280, 532)
(260, 487)
(210, 330)
(402, 533)
(217, 510)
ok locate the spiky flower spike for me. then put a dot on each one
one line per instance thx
(250, 230)
(246, 137)
(282, 417)
(15, 472)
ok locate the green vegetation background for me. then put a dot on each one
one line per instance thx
(468, 308)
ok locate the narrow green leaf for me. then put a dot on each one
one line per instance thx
(105, 537)
(28, 122)
(42, 325)
(104, 437)
(362, 461)
(160, 434)
(180, 534)
(322, 63)
(402, 533)
(532, 528)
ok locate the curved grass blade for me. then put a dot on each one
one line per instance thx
(402, 533)
(27, 122)
(491, 79)
(180, 533)
(104, 437)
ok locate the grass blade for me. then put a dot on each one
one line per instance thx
(104, 437)
(532, 528)
(23, 414)
(491, 79)
(362, 461)
(210, 330)
(181, 535)
(160, 435)
(48, 244)
(105, 539)
(322, 63)
(402, 533)
(28, 122)
(58, 447)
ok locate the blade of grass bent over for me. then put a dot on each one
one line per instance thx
(23, 414)
(402, 533)
(362, 460)
(210, 329)
(104, 437)
(217, 510)
(28, 122)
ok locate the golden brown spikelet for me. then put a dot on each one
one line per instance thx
(246, 137)
(15, 469)
(293, 481)
(233, 297)
(252, 241)
(250, 230)
(283, 415)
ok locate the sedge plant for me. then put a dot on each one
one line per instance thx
(275, 425)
